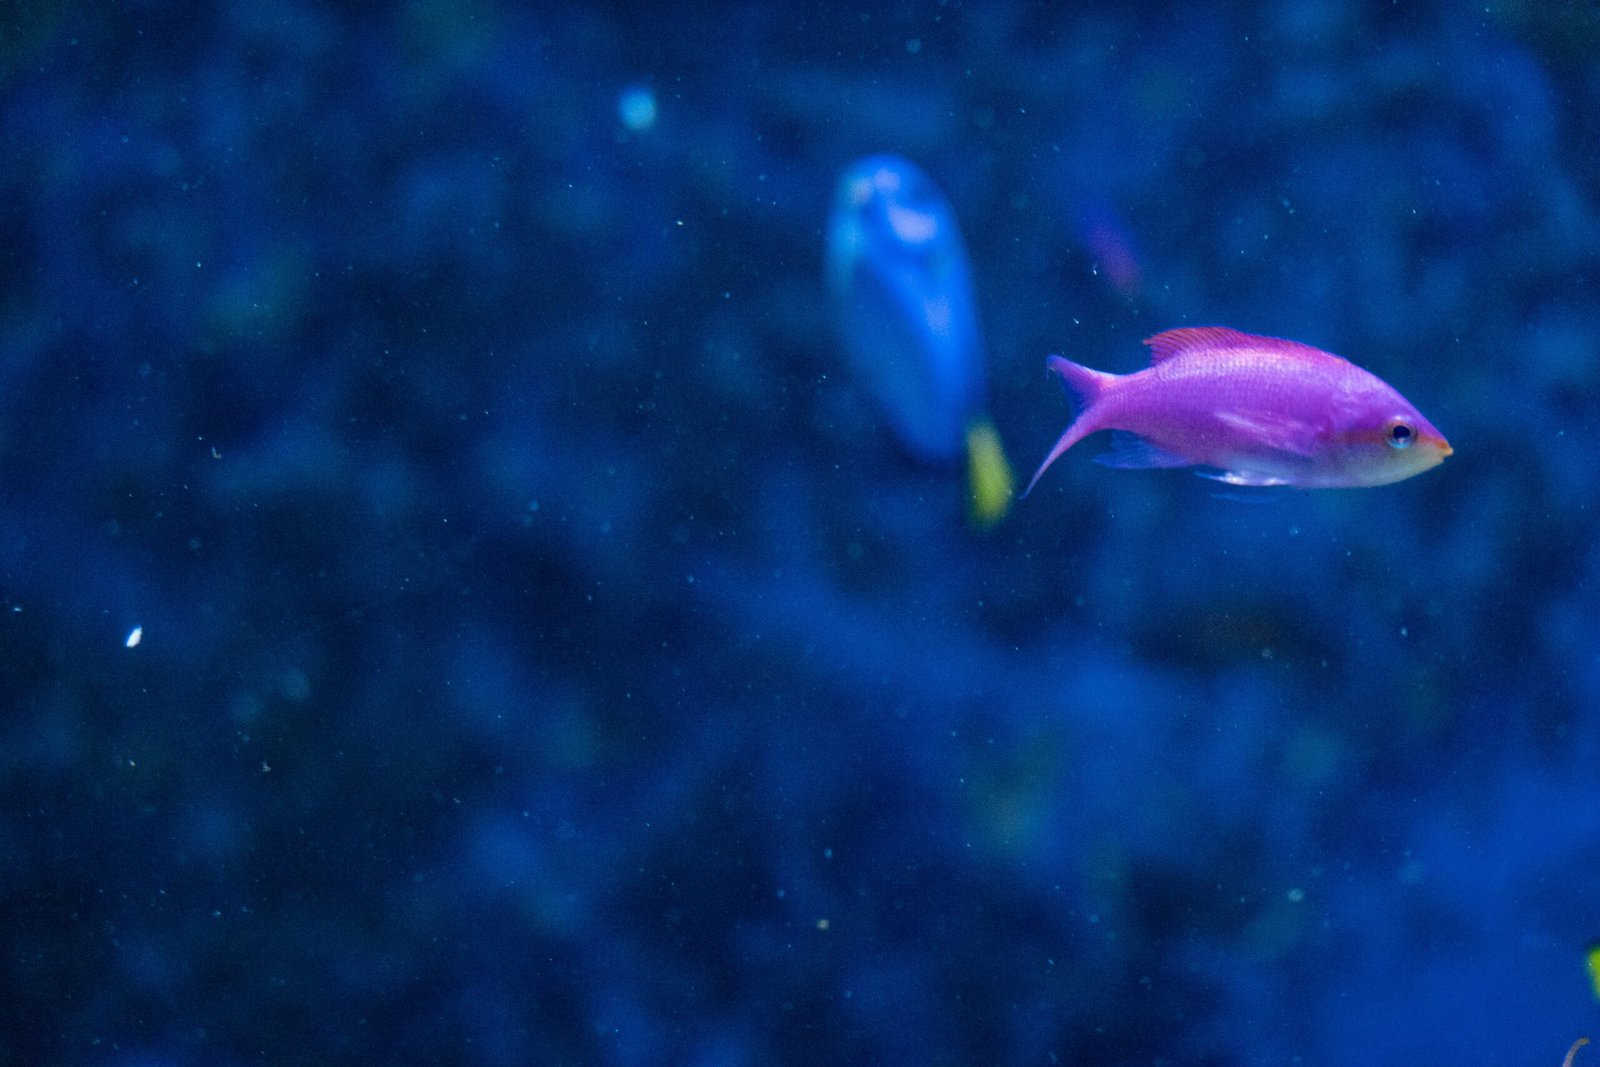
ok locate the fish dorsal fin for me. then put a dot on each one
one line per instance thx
(1188, 340)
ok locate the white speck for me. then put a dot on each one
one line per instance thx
(636, 107)
(1296, 895)
(914, 45)
(135, 635)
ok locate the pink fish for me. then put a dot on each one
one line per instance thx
(1252, 411)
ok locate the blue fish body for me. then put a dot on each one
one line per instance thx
(902, 289)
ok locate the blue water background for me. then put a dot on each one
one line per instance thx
(549, 657)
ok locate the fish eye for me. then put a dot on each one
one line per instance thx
(1399, 435)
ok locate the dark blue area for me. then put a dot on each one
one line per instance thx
(549, 657)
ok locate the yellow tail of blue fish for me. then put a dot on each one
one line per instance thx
(989, 481)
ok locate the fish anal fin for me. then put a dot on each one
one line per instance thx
(1129, 451)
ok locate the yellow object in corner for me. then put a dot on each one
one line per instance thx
(1593, 961)
(989, 480)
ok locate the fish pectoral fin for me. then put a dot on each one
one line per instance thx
(1282, 433)
(1129, 451)
(1240, 477)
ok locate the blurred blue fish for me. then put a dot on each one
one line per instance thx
(897, 267)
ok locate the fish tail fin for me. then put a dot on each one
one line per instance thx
(1085, 387)
(989, 479)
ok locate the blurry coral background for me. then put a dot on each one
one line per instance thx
(548, 657)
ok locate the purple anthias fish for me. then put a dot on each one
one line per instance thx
(1250, 410)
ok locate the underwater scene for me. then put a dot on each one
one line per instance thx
(623, 534)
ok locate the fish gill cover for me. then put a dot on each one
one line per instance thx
(462, 603)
